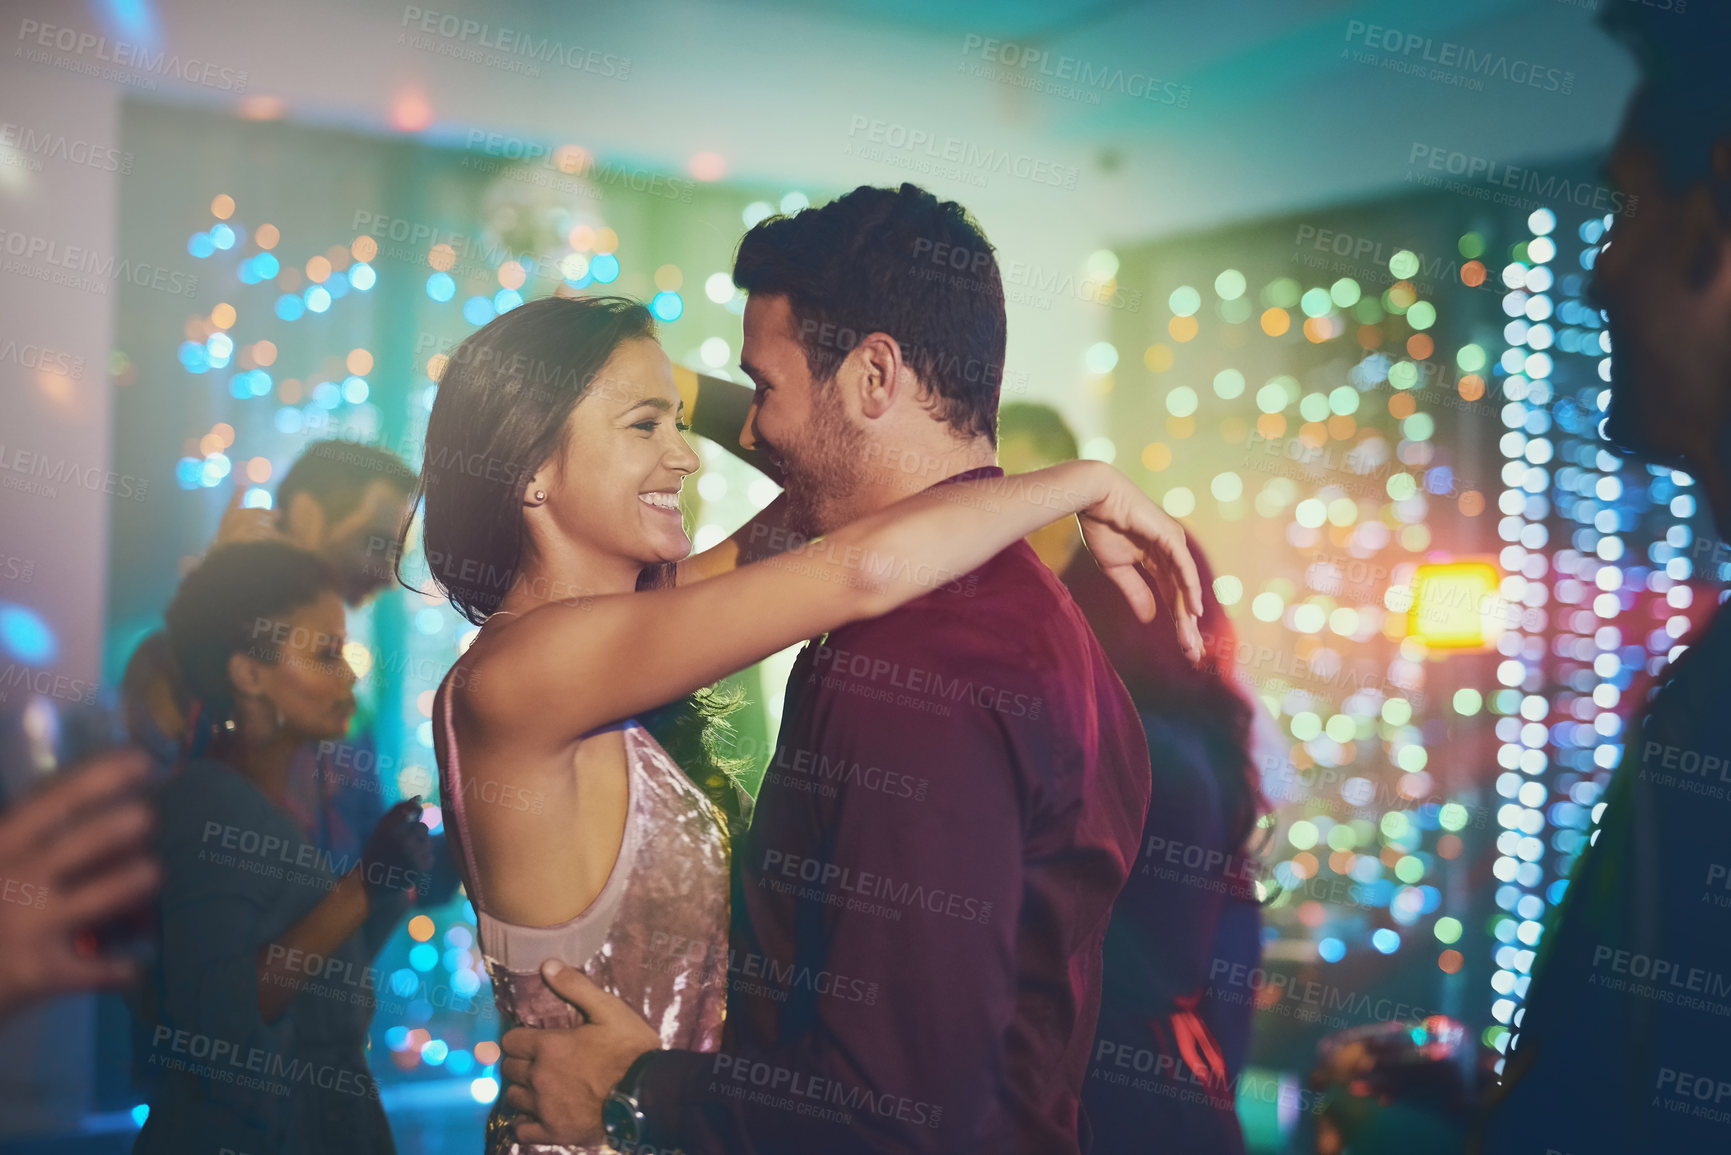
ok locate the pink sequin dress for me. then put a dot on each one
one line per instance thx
(655, 937)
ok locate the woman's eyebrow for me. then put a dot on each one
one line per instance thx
(660, 403)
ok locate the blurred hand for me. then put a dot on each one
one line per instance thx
(399, 852)
(1125, 529)
(242, 524)
(72, 855)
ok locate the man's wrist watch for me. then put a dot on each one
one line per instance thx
(622, 1118)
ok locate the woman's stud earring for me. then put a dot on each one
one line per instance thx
(540, 495)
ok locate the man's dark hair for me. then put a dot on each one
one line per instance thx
(1042, 425)
(1684, 103)
(894, 261)
(336, 474)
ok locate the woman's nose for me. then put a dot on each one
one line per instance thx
(682, 457)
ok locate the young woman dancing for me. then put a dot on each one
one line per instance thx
(554, 457)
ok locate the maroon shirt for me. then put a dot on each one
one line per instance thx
(954, 802)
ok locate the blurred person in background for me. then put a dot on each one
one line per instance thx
(1621, 1044)
(258, 1004)
(1189, 910)
(344, 502)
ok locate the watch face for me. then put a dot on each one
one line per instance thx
(621, 1119)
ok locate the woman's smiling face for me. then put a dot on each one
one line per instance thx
(615, 483)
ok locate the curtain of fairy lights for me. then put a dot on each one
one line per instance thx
(1608, 545)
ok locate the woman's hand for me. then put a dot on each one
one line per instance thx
(399, 853)
(1125, 529)
(245, 523)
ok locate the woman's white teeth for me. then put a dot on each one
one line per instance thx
(660, 500)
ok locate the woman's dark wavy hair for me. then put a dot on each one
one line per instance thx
(499, 414)
(229, 605)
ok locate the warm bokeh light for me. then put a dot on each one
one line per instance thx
(410, 111)
(222, 206)
(1448, 605)
(707, 166)
(260, 107)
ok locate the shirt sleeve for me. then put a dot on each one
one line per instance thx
(919, 865)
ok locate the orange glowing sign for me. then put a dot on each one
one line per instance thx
(1457, 605)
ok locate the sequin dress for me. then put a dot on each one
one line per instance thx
(655, 937)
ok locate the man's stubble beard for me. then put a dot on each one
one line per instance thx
(825, 470)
